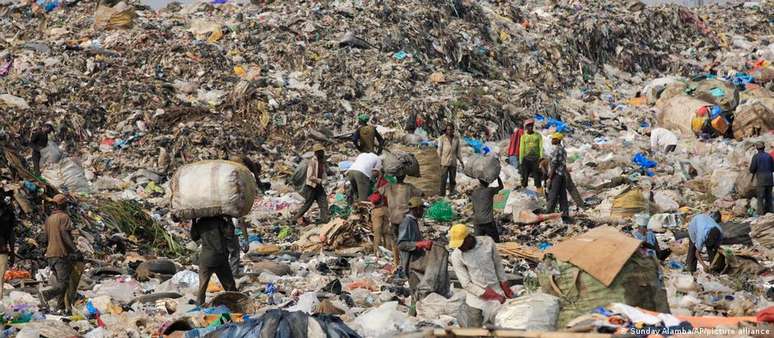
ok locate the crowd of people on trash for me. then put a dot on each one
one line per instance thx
(396, 212)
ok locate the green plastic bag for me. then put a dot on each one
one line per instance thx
(441, 211)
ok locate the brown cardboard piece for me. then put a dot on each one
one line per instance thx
(601, 252)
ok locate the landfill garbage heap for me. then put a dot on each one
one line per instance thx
(133, 93)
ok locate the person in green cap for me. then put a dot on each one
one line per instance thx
(366, 136)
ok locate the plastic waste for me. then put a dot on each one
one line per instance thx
(306, 303)
(383, 321)
(441, 211)
(435, 305)
(533, 312)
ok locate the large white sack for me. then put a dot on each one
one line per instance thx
(67, 175)
(212, 188)
(483, 167)
(534, 312)
(677, 113)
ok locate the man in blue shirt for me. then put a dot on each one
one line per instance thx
(762, 166)
(703, 231)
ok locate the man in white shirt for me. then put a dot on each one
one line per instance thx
(480, 271)
(359, 175)
(662, 140)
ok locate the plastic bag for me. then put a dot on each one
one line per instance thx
(400, 163)
(435, 305)
(50, 154)
(534, 312)
(441, 211)
(478, 146)
(67, 175)
(485, 168)
(384, 321)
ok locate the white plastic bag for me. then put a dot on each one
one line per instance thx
(212, 188)
(435, 305)
(67, 175)
(534, 312)
(384, 321)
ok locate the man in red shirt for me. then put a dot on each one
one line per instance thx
(513, 148)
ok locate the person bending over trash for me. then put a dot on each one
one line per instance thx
(425, 263)
(359, 175)
(703, 231)
(479, 269)
(213, 258)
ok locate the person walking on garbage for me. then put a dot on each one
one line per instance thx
(530, 153)
(479, 269)
(61, 252)
(449, 152)
(7, 234)
(382, 229)
(425, 263)
(366, 136)
(398, 196)
(557, 177)
(762, 166)
(38, 141)
(213, 258)
(314, 189)
(703, 231)
(482, 198)
(359, 175)
(513, 147)
(661, 139)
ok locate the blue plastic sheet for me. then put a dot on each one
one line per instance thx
(646, 164)
(478, 146)
(715, 111)
(345, 165)
(400, 55)
(741, 79)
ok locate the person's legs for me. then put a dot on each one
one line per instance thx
(36, 161)
(453, 180)
(233, 247)
(767, 197)
(352, 193)
(564, 204)
(553, 194)
(309, 199)
(226, 278)
(377, 222)
(444, 178)
(538, 175)
(3, 267)
(61, 269)
(488, 229)
(573, 190)
(761, 196)
(204, 280)
(363, 185)
(71, 292)
(524, 173)
(322, 203)
(671, 148)
(690, 261)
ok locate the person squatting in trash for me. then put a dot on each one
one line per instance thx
(479, 269)
(314, 186)
(213, 258)
(703, 232)
(425, 264)
(61, 254)
(762, 166)
(449, 152)
(366, 137)
(530, 154)
(482, 198)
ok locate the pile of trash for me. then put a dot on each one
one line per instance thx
(136, 93)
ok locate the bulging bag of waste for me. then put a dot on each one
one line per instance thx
(67, 175)
(744, 185)
(678, 112)
(534, 312)
(435, 305)
(753, 119)
(211, 188)
(399, 163)
(119, 16)
(50, 154)
(483, 167)
(299, 175)
(717, 92)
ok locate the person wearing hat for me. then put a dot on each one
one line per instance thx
(762, 166)
(479, 269)
(359, 175)
(449, 152)
(557, 176)
(513, 146)
(530, 153)
(7, 233)
(482, 198)
(424, 263)
(366, 136)
(38, 141)
(60, 251)
(314, 187)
